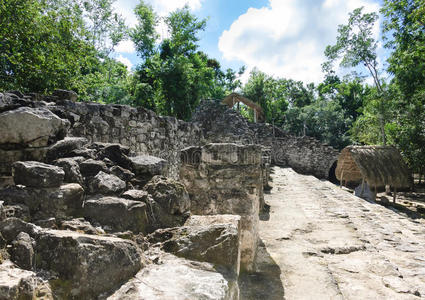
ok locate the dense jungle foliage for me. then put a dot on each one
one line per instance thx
(68, 44)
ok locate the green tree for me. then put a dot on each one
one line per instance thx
(144, 34)
(356, 45)
(52, 44)
(269, 94)
(404, 26)
(174, 76)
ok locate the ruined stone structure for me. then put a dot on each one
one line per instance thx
(227, 179)
(305, 155)
(90, 192)
(146, 133)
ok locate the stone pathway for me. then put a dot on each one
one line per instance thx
(320, 242)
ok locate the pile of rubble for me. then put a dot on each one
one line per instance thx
(87, 220)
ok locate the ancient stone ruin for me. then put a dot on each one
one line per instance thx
(114, 202)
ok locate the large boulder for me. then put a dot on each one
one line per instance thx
(10, 101)
(66, 200)
(37, 174)
(148, 166)
(22, 252)
(178, 279)
(117, 153)
(71, 169)
(117, 214)
(65, 95)
(20, 211)
(10, 228)
(137, 195)
(91, 167)
(31, 127)
(80, 225)
(123, 174)
(16, 283)
(64, 147)
(171, 203)
(213, 239)
(106, 184)
(86, 265)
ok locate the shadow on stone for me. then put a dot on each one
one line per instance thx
(265, 213)
(266, 282)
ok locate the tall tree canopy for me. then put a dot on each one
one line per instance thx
(55, 43)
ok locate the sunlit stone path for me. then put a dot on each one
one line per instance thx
(320, 242)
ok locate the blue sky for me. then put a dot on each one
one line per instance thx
(284, 38)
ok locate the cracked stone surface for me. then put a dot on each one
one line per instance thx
(321, 242)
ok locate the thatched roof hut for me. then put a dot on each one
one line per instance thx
(377, 165)
(234, 98)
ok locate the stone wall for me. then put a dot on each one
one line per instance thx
(227, 179)
(304, 154)
(140, 129)
(146, 133)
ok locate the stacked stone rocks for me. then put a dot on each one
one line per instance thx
(81, 219)
(227, 179)
(304, 154)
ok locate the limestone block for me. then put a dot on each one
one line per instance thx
(22, 252)
(179, 279)
(147, 165)
(106, 184)
(87, 265)
(31, 127)
(64, 147)
(60, 202)
(36, 174)
(71, 169)
(16, 283)
(213, 242)
(117, 214)
(91, 167)
(171, 204)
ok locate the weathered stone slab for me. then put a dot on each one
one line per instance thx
(31, 127)
(146, 165)
(71, 169)
(64, 147)
(87, 265)
(37, 174)
(59, 202)
(11, 227)
(117, 214)
(106, 184)
(91, 167)
(22, 252)
(171, 205)
(137, 195)
(213, 239)
(178, 279)
(16, 283)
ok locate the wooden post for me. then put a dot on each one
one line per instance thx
(395, 194)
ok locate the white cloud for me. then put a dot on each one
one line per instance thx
(288, 38)
(126, 46)
(125, 61)
(126, 9)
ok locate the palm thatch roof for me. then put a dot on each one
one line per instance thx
(233, 98)
(378, 165)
